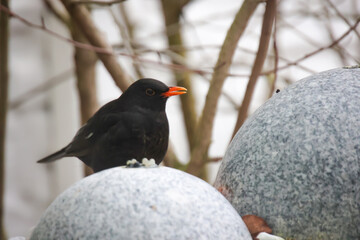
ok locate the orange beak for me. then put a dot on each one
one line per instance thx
(174, 91)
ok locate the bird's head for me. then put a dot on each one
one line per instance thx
(150, 94)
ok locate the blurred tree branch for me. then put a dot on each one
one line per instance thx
(55, 34)
(127, 35)
(204, 130)
(142, 49)
(4, 83)
(82, 17)
(99, 50)
(327, 25)
(85, 66)
(276, 61)
(59, 12)
(46, 85)
(101, 3)
(172, 12)
(332, 44)
(85, 62)
(342, 16)
(268, 19)
(171, 160)
(175, 67)
(341, 51)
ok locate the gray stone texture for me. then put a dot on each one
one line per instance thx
(296, 161)
(141, 203)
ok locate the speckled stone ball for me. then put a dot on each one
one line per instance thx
(296, 161)
(141, 203)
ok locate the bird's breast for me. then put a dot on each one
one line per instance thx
(157, 138)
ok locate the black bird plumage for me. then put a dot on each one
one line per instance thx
(134, 126)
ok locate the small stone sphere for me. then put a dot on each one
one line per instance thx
(296, 161)
(141, 203)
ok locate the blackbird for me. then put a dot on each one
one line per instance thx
(134, 126)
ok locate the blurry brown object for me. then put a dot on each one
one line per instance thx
(268, 19)
(85, 65)
(199, 154)
(256, 225)
(172, 11)
(4, 82)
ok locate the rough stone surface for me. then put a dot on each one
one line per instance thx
(141, 203)
(296, 161)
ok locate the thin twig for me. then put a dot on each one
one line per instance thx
(175, 67)
(214, 159)
(327, 25)
(129, 30)
(55, 34)
(82, 17)
(48, 84)
(305, 37)
(4, 84)
(142, 49)
(126, 37)
(294, 63)
(85, 66)
(276, 60)
(266, 30)
(106, 51)
(342, 16)
(59, 11)
(100, 3)
(205, 125)
(172, 12)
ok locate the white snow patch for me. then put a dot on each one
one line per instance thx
(148, 162)
(266, 236)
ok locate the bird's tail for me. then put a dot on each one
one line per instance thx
(55, 156)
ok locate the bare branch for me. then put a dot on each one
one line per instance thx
(205, 125)
(175, 67)
(214, 159)
(48, 84)
(294, 63)
(276, 61)
(171, 160)
(4, 83)
(342, 16)
(172, 12)
(100, 3)
(268, 20)
(104, 51)
(127, 36)
(59, 11)
(327, 25)
(82, 17)
(85, 69)
(141, 49)
(55, 34)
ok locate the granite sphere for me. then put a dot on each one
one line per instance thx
(296, 161)
(141, 203)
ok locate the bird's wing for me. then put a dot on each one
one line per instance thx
(90, 133)
(129, 126)
(108, 129)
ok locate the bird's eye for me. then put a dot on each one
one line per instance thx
(150, 92)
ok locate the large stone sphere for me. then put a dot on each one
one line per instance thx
(141, 203)
(296, 161)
